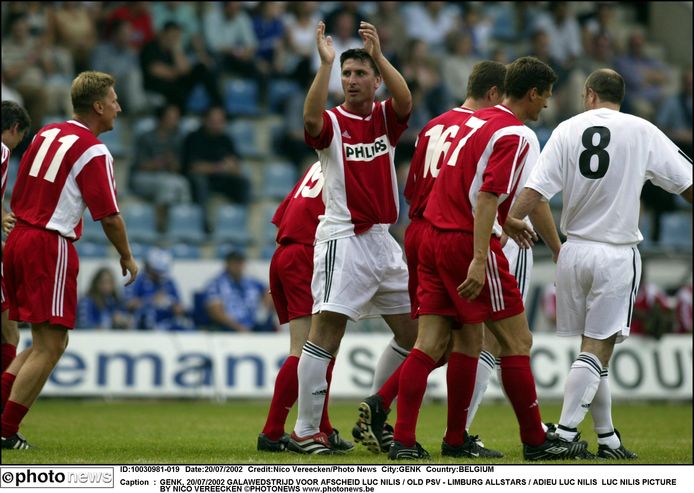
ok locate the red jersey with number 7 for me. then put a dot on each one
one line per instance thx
(488, 154)
(65, 170)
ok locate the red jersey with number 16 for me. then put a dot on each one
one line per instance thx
(5, 166)
(65, 170)
(297, 216)
(487, 155)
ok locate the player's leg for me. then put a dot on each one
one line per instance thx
(10, 339)
(49, 343)
(485, 368)
(10, 374)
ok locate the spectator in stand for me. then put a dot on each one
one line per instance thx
(431, 22)
(423, 68)
(153, 298)
(166, 69)
(211, 163)
(156, 173)
(351, 8)
(564, 34)
(117, 57)
(479, 26)
(229, 33)
(101, 306)
(185, 14)
(391, 27)
(513, 22)
(269, 31)
(239, 303)
(645, 77)
(683, 309)
(598, 53)
(457, 64)
(675, 115)
(652, 312)
(300, 24)
(73, 27)
(136, 14)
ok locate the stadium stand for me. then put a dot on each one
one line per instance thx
(186, 223)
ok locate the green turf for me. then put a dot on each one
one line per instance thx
(202, 432)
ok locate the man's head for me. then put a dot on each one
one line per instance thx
(170, 34)
(93, 96)
(15, 123)
(235, 260)
(158, 263)
(360, 77)
(215, 120)
(529, 83)
(603, 86)
(486, 84)
(169, 116)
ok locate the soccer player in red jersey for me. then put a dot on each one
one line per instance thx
(463, 273)
(65, 170)
(291, 270)
(15, 125)
(358, 266)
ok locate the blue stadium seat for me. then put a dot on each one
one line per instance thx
(267, 251)
(113, 140)
(278, 92)
(92, 230)
(231, 225)
(676, 230)
(199, 100)
(144, 125)
(278, 179)
(243, 133)
(241, 97)
(269, 230)
(185, 251)
(139, 251)
(139, 219)
(186, 223)
(89, 249)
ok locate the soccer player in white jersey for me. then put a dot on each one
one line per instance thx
(358, 266)
(600, 160)
(15, 125)
(65, 170)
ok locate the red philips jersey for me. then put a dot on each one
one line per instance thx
(432, 145)
(5, 166)
(356, 153)
(297, 216)
(65, 170)
(487, 155)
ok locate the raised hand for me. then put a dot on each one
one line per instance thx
(326, 50)
(369, 35)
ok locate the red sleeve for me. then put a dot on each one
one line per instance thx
(508, 153)
(98, 187)
(326, 134)
(394, 126)
(415, 167)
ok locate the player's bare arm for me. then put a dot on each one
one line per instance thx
(515, 227)
(543, 222)
(8, 221)
(114, 228)
(402, 98)
(485, 213)
(317, 97)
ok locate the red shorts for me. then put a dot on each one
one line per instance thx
(40, 270)
(414, 235)
(291, 270)
(444, 258)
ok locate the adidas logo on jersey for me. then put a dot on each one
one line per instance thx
(366, 152)
(346, 135)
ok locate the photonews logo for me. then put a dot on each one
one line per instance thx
(56, 477)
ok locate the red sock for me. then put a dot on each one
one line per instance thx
(460, 377)
(6, 386)
(9, 351)
(413, 383)
(325, 425)
(389, 391)
(12, 416)
(520, 388)
(283, 398)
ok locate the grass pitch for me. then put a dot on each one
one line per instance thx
(203, 432)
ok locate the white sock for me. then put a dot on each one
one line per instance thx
(497, 361)
(485, 368)
(581, 385)
(601, 411)
(392, 357)
(313, 386)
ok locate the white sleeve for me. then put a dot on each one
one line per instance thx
(668, 167)
(546, 175)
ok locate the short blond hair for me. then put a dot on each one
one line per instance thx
(89, 87)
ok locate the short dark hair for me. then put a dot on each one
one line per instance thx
(13, 114)
(484, 76)
(359, 54)
(607, 84)
(526, 73)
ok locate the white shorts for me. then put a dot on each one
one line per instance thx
(596, 288)
(520, 264)
(360, 276)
